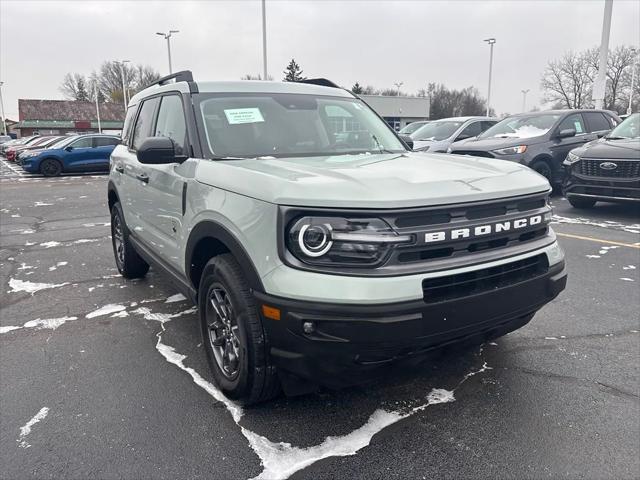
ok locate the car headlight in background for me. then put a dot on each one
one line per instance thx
(511, 150)
(333, 241)
(571, 158)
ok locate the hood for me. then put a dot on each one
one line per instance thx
(627, 149)
(493, 143)
(372, 181)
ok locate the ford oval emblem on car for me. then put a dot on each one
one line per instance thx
(608, 166)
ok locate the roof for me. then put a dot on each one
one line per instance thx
(464, 119)
(67, 124)
(245, 86)
(68, 110)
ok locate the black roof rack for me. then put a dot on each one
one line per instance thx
(323, 82)
(183, 76)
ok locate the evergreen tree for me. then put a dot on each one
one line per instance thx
(81, 89)
(293, 73)
(357, 88)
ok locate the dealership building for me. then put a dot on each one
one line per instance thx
(399, 111)
(59, 117)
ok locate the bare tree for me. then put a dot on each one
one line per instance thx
(73, 87)
(248, 76)
(569, 81)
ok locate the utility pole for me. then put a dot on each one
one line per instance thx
(491, 42)
(264, 40)
(124, 83)
(4, 120)
(633, 78)
(600, 84)
(95, 91)
(524, 99)
(167, 37)
(398, 85)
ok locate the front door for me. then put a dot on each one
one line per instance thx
(78, 154)
(560, 147)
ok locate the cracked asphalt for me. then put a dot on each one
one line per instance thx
(560, 397)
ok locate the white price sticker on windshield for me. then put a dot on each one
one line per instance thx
(243, 115)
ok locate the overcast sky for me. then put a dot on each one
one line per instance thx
(372, 42)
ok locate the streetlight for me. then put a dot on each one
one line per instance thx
(95, 90)
(599, 85)
(524, 99)
(633, 78)
(264, 39)
(491, 42)
(124, 84)
(4, 120)
(398, 85)
(167, 37)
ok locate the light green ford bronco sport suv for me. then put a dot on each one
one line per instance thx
(316, 245)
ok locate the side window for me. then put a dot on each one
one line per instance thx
(128, 123)
(472, 130)
(143, 127)
(597, 122)
(171, 123)
(575, 122)
(104, 141)
(86, 142)
(487, 125)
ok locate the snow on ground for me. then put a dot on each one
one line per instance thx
(26, 429)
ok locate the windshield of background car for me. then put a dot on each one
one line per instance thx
(63, 142)
(522, 126)
(412, 127)
(436, 130)
(630, 128)
(290, 125)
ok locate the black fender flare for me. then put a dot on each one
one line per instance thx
(212, 229)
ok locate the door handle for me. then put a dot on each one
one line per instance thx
(143, 177)
(119, 169)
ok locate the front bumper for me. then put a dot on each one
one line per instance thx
(599, 188)
(349, 343)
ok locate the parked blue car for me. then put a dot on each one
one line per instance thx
(81, 153)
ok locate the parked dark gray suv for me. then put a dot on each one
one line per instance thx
(540, 140)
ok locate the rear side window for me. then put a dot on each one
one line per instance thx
(105, 141)
(128, 123)
(171, 123)
(597, 122)
(144, 123)
(575, 122)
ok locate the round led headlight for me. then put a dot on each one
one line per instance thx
(315, 240)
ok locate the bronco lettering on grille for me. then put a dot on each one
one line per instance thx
(480, 230)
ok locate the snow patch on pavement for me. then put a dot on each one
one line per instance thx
(629, 267)
(59, 264)
(626, 279)
(105, 310)
(9, 328)
(50, 244)
(42, 204)
(632, 228)
(178, 297)
(51, 323)
(31, 287)
(26, 429)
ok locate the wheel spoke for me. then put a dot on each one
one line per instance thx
(223, 332)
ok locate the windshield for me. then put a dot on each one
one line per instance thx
(522, 126)
(290, 125)
(630, 128)
(412, 127)
(438, 130)
(63, 142)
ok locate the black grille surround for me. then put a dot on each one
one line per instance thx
(589, 167)
(473, 153)
(422, 256)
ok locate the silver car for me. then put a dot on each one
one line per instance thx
(438, 135)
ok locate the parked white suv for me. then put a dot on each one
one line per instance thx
(316, 246)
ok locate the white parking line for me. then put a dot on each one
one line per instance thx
(12, 169)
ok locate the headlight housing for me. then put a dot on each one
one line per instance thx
(511, 150)
(571, 158)
(340, 241)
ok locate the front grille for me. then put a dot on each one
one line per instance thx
(473, 153)
(624, 169)
(450, 287)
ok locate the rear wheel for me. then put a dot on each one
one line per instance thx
(129, 263)
(50, 167)
(581, 202)
(233, 335)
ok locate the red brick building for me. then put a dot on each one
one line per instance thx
(58, 117)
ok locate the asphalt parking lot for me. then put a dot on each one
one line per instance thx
(106, 378)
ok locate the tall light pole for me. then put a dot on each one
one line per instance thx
(124, 83)
(95, 91)
(524, 99)
(633, 78)
(491, 42)
(167, 37)
(398, 85)
(599, 85)
(4, 120)
(264, 40)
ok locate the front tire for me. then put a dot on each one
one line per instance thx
(581, 202)
(129, 263)
(50, 167)
(233, 335)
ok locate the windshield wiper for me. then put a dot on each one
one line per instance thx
(613, 137)
(379, 145)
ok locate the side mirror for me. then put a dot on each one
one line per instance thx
(157, 151)
(408, 141)
(462, 136)
(68, 149)
(567, 132)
